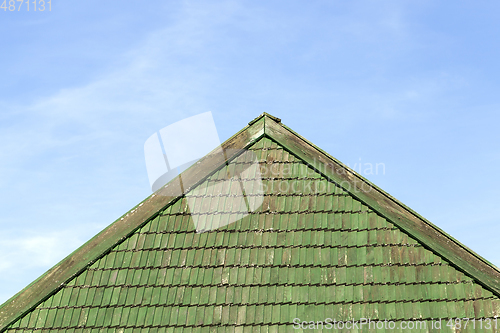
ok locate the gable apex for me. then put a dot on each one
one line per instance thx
(264, 115)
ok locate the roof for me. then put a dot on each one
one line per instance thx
(323, 242)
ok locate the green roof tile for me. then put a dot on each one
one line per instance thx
(312, 250)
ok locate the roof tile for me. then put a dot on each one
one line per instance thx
(311, 251)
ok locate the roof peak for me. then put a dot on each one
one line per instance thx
(262, 115)
(301, 150)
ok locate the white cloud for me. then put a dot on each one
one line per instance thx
(24, 255)
(35, 248)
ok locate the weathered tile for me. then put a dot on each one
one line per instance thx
(310, 250)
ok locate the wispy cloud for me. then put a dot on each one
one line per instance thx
(36, 249)
(80, 149)
(26, 255)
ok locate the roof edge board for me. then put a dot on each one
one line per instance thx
(52, 280)
(396, 212)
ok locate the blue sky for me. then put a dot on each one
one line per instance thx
(410, 84)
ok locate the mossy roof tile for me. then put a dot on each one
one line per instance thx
(313, 249)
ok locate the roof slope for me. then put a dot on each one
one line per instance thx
(323, 244)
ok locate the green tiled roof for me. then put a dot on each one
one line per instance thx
(323, 244)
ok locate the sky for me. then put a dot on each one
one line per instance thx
(410, 85)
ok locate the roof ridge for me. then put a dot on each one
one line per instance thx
(263, 115)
